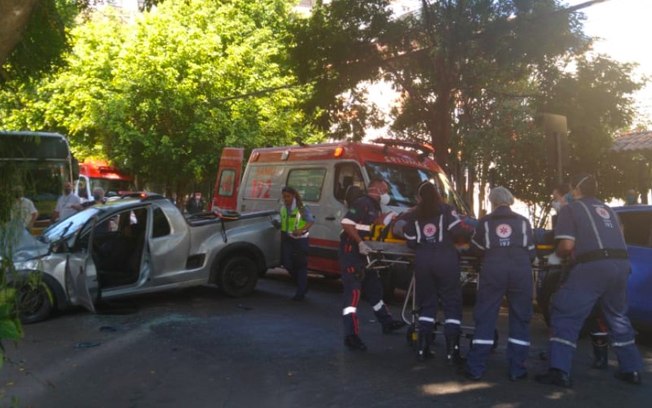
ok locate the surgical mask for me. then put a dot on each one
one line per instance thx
(556, 205)
(569, 198)
(97, 197)
(384, 199)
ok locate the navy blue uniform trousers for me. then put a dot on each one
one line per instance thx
(505, 272)
(605, 282)
(294, 255)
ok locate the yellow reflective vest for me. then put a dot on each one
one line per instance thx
(292, 221)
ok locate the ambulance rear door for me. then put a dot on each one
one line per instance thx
(229, 172)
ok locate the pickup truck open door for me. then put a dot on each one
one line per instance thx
(81, 274)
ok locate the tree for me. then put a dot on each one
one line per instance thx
(33, 35)
(448, 52)
(162, 96)
(597, 100)
(10, 327)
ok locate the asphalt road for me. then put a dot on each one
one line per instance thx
(197, 348)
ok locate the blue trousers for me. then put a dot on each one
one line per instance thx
(603, 282)
(356, 281)
(437, 277)
(502, 275)
(294, 255)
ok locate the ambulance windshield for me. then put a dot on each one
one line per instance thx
(404, 180)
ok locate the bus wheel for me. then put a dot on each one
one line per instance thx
(35, 301)
(239, 276)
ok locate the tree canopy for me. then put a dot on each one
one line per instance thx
(472, 76)
(163, 94)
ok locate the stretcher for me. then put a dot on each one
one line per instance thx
(389, 250)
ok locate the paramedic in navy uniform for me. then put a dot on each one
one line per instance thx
(431, 229)
(357, 224)
(505, 241)
(591, 229)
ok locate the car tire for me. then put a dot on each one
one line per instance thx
(35, 301)
(239, 276)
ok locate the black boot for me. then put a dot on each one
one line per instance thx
(555, 376)
(393, 325)
(424, 352)
(632, 377)
(453, 355)
(600, 352)
(354, 343)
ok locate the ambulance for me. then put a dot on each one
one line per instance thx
(322, 173)
(98, 173)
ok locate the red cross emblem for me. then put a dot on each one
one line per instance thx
(429, 230)
(602, 212)
(504, 231)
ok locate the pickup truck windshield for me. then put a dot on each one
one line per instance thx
(65, 228)
(403, 182)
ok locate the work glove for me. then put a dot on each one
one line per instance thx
(364, 249)
(553, 259)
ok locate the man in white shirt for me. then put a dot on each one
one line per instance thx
(66, 203)
(24, 209)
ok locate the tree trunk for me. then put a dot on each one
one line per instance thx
(470, 196)
(14, 17)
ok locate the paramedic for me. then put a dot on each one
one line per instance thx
(357, 225)
(505, 241)
(590, 228)
(432, 229)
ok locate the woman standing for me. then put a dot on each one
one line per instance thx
(296, 221)
(431, 229)
(505, 240)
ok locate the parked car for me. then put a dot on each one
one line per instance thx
(636, 222)
(140, 245)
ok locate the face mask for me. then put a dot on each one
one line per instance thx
(569, 198)
(67, 191)
(384, 199)
(556, 205)
(97, 197)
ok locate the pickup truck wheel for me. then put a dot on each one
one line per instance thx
(239, 276)
(35, 301)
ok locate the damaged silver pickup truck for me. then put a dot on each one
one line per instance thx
(140, 245)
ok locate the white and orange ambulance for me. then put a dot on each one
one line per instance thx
(322, 173)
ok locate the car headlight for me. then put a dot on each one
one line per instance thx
(30, 265)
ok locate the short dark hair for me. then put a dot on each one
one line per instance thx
(562, 188)
(430, 204)
(375, 181)
(586, 183)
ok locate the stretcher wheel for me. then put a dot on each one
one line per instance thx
(411, 336)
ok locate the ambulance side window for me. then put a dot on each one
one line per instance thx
(308, 182)
(346, 175)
